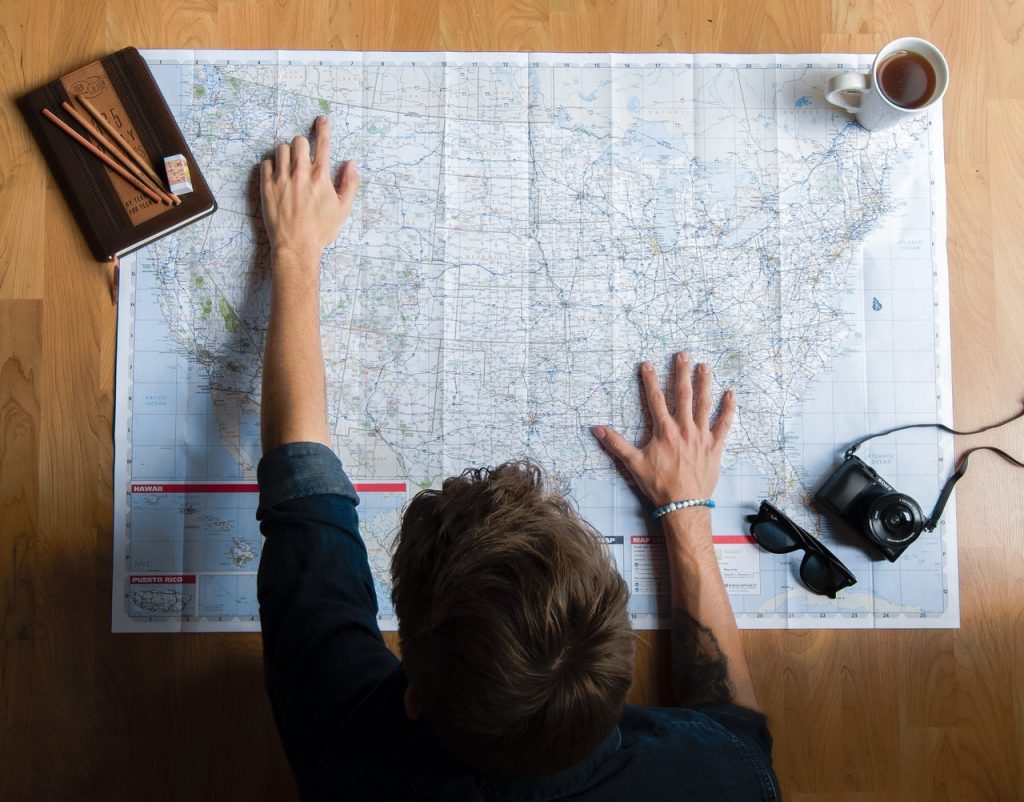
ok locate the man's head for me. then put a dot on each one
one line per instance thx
(513, 622)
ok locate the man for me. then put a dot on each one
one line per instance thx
(512, 619)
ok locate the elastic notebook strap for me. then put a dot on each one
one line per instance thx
(961, 466)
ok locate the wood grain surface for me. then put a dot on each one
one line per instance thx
(929, 715)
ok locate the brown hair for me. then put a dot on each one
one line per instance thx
(513, 621)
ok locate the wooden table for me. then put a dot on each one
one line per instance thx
(861, 715)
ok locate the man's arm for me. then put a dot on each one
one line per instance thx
(681, 461)
(323, 652)
(303, 213)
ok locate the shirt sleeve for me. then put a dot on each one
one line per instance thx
(748, 725)
(322, 647)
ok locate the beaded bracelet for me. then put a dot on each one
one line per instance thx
(678, 505)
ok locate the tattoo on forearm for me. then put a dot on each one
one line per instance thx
(700, 672)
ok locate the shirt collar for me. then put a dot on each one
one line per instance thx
(552, 786)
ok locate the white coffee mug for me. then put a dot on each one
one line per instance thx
(861, 94)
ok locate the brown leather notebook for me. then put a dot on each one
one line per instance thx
(115, 216)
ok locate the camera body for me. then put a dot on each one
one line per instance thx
(866, 504)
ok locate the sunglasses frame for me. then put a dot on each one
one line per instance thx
(810, 545)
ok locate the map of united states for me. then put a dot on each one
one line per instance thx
(530, 227)
(524, 237)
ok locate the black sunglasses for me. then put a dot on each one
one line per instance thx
(820, 570)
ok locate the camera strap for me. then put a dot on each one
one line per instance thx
(961, 465)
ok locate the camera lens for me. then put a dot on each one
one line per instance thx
(895, 517)
(897, 520)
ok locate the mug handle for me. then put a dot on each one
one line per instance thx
(854, 83)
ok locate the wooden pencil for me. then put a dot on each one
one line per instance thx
(99, 154)
(115, 150)
(120, 137)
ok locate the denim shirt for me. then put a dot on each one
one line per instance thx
(337, 690)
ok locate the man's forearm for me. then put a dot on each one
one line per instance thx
(707, 656)
(294, 407)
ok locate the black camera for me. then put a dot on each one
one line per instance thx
(866, 504)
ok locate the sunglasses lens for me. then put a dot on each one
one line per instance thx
(775, 538)
(822, 576)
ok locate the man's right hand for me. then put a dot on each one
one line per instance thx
(682, 461)
(683, 457)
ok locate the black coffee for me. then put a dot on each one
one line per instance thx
(907, 79)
